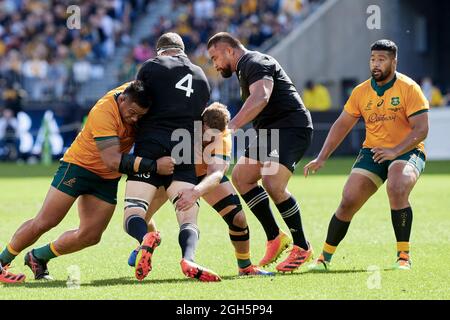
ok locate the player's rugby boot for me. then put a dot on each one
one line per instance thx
(403, 262)
(253, 270)
(274, 248)
(38, 267)
(297, 257)
(193, 270)
(8, 277)
(144, 256)
(132, 257)
(319, 265)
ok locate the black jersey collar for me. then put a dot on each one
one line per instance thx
(240, 59)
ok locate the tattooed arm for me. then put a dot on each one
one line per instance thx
(109, 148)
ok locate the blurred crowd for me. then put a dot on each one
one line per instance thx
(433, 94)
(49, 47)
(45, 56)
(255, 22)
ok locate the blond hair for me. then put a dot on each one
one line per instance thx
(216, 116)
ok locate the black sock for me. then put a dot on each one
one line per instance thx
(402, 222)
(257, 200)
(136, 226)
(187, 238)
(290, 211)
(337, 229)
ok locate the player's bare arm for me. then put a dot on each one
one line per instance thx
(419, 125)
(340, 129)
(260, 93)
(115, 160)
(214, 175)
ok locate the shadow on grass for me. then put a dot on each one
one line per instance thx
(132, 281)
(46, 284)
(392, 269)
(295, 273)
(108, 282)
(322, 272)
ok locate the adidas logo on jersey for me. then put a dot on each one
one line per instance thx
(274, 154)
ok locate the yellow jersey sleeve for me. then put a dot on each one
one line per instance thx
(416, 101)
(103, 122)
(352, 105)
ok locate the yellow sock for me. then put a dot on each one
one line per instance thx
(403, 246)
(328, 251)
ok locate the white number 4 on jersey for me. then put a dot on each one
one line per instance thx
(180, 85)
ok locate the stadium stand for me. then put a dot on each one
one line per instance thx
(44, 65)
(258, 24)
(49, 60)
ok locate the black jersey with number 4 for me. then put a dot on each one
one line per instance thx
(179, 91)
(285, 108)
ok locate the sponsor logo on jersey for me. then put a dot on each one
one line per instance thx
(274, 154)
(70, 182)
(395, 101)
(374, 117)
(143, 175)
(395, 109)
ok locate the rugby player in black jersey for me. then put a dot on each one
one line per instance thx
(180, 93)
(272, 103)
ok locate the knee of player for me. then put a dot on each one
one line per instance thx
(235, 218)
(276, 191)
(397, 190)
(239, 220)
(349, 201)
(237, 226)
(235, 178)
(135, 207)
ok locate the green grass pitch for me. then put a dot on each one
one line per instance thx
(360, 266)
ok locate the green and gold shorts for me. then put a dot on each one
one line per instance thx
(378, 172)
(76, 181)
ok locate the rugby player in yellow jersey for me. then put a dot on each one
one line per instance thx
(212, 162)
(394, 110)
(90, 171)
